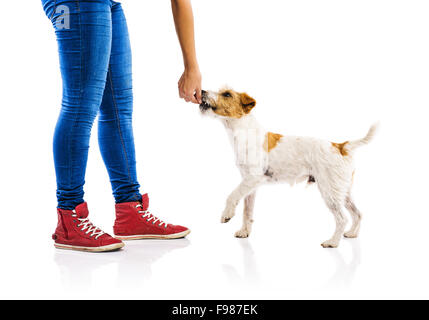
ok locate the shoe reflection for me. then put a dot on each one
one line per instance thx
(345, 272)
(133, 263)
(250, 275)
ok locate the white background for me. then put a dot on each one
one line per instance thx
(321, 68)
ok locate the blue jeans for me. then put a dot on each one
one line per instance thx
(95, 62)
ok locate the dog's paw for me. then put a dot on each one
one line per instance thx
(329, 244)
(242, 233)
(224, 219)
(226, 216)
(350, 234)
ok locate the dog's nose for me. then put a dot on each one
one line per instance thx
(203, 93)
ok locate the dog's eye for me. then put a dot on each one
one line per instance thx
(227, 94)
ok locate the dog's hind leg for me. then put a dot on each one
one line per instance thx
(356, 218)
(245, 187)
(249, 204)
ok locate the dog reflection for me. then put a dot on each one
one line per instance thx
(345, 272)
(250, 273)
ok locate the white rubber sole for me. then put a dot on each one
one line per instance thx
(110, 247)
(155, 236)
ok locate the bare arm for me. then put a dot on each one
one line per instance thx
(190, 81)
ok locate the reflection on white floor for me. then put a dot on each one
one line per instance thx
(345, 270)
(212, 264)
(134, 265)
(250, 274)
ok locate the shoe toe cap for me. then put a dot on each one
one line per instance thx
(179, 229)
(108, 240)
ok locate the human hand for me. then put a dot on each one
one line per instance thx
(190, 86)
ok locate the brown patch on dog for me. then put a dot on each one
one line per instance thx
(271, 141)
(233, 104)
(247, 102)
(340, 148)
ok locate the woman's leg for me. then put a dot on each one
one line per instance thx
(84, 48)
(115, 131)
(133, 221)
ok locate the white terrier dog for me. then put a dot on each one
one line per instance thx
(266, 157)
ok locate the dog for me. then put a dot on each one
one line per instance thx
(265, 157)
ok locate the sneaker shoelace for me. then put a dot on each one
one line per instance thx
(89, 227)
(149, 216)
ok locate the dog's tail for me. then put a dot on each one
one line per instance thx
(351, 145)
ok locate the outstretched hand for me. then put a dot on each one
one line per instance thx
(190, 86)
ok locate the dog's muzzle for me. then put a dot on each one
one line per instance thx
(204, 106)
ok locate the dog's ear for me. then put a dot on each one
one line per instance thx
(247, 102)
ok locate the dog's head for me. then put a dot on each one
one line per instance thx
(226, 103)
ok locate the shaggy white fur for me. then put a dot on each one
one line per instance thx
(292, 160)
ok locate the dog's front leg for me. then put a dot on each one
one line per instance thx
(249, 204)
(245, 187)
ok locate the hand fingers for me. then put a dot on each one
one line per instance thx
(186, 96)
(180, 87)
(181, 93)
(190, 96)
(198, 95)
(194, 97)
(194, 100)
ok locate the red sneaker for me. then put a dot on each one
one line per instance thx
(75, 232)
(134, 221)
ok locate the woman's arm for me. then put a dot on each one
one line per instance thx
(190, 81)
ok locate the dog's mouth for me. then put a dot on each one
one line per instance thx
(204, 106)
